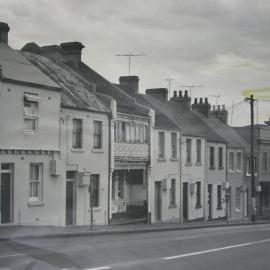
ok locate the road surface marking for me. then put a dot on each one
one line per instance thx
(12, 255)
(214, 250)
(185, 238)
(99, 268)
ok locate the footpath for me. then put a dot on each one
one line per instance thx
(38, 232)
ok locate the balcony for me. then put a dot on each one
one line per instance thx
(131, 151)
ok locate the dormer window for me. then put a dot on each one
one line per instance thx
(31, 112)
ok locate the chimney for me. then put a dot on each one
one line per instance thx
(129, 84)
(159, 93)
(201, 107)
(185, 100)
(72, 51)
(221, 114)
(174, 98)
(4, 29)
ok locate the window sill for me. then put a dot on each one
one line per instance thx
(237, 210)
(212, 168)
(198, 206)
(77, 150)
(231, 171)
(221, 168)
(30, 132)
(239, 171)
(161, 159)
(188, 164)
(97, 150)
(171, 206)
(173, 159)
(36, 203)
(219, 208)
(198, 164)
(95, 209)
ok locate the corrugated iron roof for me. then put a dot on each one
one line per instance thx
(77, 93)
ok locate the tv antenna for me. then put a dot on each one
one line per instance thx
(129, 55)
(216, 96)
(190, 87)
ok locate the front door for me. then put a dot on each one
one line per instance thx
(185, 201)
(209, 203)
(6, 193)
(70, 219)
(158, 201)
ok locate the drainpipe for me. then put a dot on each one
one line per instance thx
(109, 174)
(180, 175)
(206, 214)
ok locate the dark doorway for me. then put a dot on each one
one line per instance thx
(209, 202)
(185, 201)
(158, 200)
(70, 213)
(6, 197)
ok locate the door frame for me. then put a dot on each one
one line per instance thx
(74, 205)
(11, 204)
(158, 201)
(209, 201)
(185, 198)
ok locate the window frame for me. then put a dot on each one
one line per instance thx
(174, 153)
(231, 161)
(198, 151)
(98, 134)
(211, 157)
(78, 133)
(220, 158)
(188, 151)
(239, 162)
(161, 145)
(38, 181)
(31, 113)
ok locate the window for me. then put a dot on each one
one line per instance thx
(146, 134)
(198, 194)
(35, 188)
(121, 186)
(97, 134)
(265, 161)
(77, 133)
(219, 200)
(237, 198)
(30, 113)
(173, 145)
(123, 131)
(220, 158)
(94, 194)
(198, 151)
(172, 192)
(188, 150)
(161, 145)
(248, 172)
(231, 161)
(239, 161)
(212, 158)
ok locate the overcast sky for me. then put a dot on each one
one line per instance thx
(220, 44)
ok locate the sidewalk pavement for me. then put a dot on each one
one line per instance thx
(13, 232)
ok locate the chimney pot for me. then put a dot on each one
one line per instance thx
(174, 94)
(180, 94)
(195, 101)
(206, 100)
(201, 100)
(4, 29)
(218, 107)
(186, 93)
(223, 107)
(214, 107)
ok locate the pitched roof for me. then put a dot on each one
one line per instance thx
(162, 121)
(16, 68)
(77, 93)
(226, 132)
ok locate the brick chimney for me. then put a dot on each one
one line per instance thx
(159, 93)
(72, 51)
(4, 29)
(185, 100)
(130, 84)
(220, 113)
(202, 107)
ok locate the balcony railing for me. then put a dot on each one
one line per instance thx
(131, 151)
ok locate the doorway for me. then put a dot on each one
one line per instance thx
(185, 201)
(6, 181)
(70, 198)
(158, 201)
(209, 202)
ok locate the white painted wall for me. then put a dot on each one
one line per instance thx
(165, 169)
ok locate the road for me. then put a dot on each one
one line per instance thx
(245, 247)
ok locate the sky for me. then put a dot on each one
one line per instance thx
(222, 45)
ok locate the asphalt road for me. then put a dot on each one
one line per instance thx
(245, 247)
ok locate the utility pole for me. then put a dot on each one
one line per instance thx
(129, 55)
(190, 87)
(253, 190)
(169, 80)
